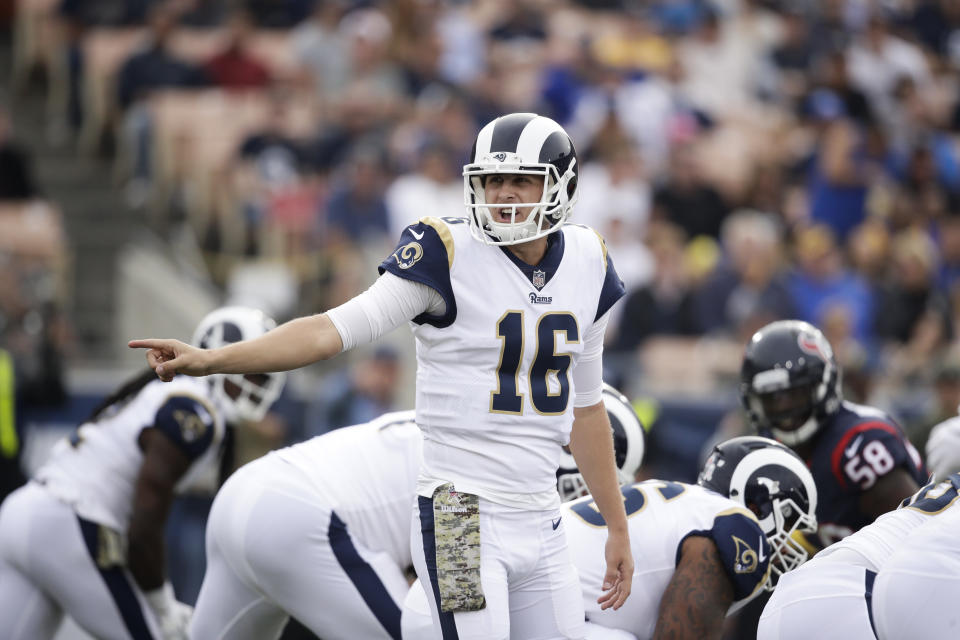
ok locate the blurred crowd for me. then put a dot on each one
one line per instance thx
(747, 160)
(33, 254)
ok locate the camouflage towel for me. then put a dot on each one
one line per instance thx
(456, 517)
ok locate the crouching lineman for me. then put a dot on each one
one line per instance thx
(699, 553)
(321, 531)
(85, 537)
(896, 578)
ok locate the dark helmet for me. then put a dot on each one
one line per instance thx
(772, 481)
(521, 143)
(628, 447)
(789, 381)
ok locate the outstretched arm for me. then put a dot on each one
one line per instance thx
(591, 443)
(387, 304)
(292, 345)
(695, 602)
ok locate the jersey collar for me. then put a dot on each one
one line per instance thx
(541, 273)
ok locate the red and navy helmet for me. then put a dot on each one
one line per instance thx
(789, 381)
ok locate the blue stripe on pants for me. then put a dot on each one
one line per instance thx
(118, 585)
(364, 578)
(869, 579)
(447, 624)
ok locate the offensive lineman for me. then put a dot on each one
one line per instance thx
(509, 308)
(896, 578)
(85, 537)
(701, 550)
(319, 531)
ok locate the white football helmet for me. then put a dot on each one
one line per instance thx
(772, 481)
(629, 441)
(529, 144)
(241, 397)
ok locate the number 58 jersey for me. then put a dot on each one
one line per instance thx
(494, 387)
(661, 515)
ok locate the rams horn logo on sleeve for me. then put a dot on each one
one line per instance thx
(408, 255)
(191, 425)
(746, 561)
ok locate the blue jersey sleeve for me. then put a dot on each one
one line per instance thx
(188, 424)
(744, 551)
(425, 254)
(613, 288)
(871, 450)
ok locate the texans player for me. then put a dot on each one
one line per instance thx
(860, 458)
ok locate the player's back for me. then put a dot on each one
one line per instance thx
(872, 545)
(662, 515)
(95, 469)
(367, 474)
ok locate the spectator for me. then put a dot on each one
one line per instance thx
(823, 289)
(749, 280)
(911, 292)
(367, 389)
(877, 61)
(234, 67)
(278, 14)
(665, 306)
(356, 212)
(686, 199)
(269, 177)
(434, 185)
(522, 21)
(945, 402)
(322, 50)
(16, 177)
(948, 236)
(838, 170)
(616, 202)
(369, 33)
(793, 57)
(153, 67)
(832, 73)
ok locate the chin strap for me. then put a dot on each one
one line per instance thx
(797, 436)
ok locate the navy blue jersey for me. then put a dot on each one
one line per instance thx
(854, 448)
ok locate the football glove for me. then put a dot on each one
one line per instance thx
(173, 616)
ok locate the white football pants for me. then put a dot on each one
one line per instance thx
(821, 599)
(47, 567)
(274, 551)
(529, 582)
(917, 592)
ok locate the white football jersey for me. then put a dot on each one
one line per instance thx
(661, 515)
(495, 394)
(367, 474)
(95, 470)
(875, 543)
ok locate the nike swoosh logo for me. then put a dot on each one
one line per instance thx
(760, 552)
(416, 235)
(852, 449)
(557, 523)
